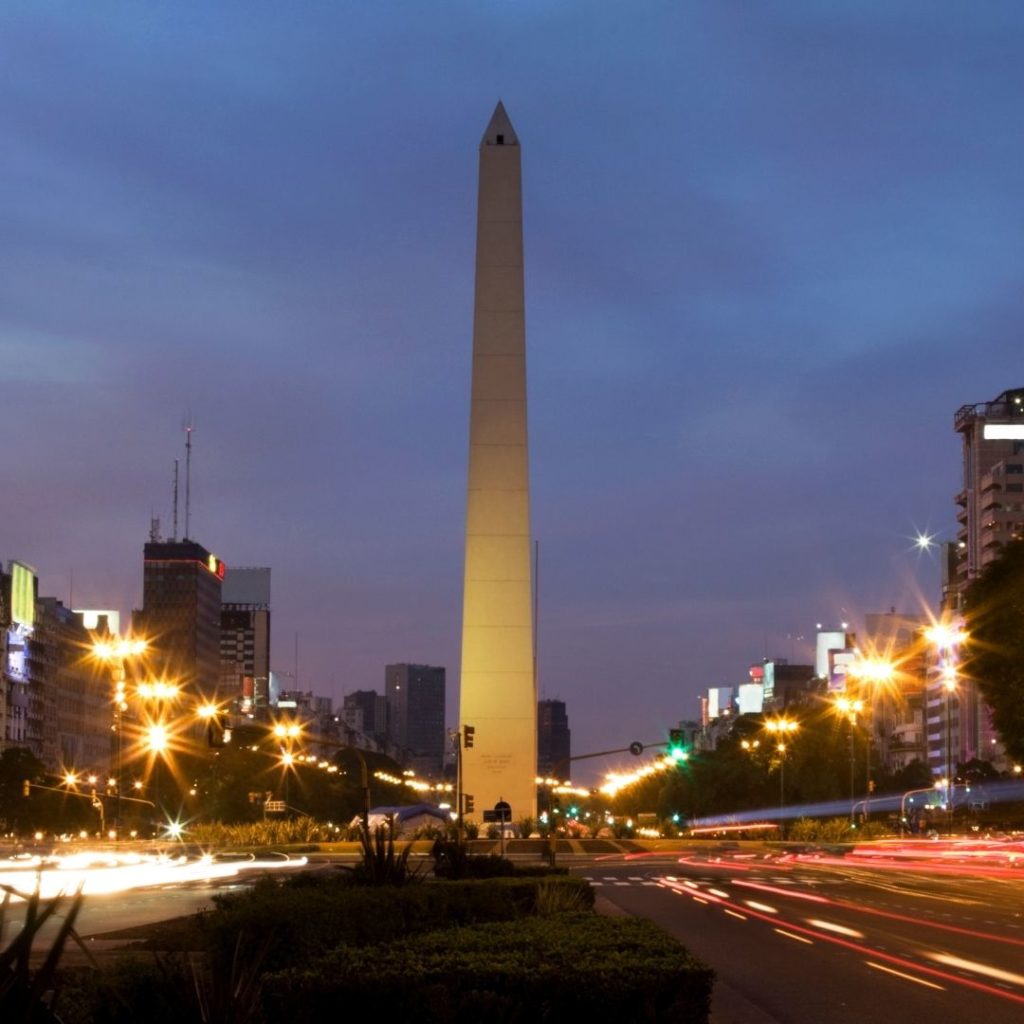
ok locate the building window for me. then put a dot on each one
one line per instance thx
(501, 140)
(1014, 467)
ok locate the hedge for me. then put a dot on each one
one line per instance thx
(306, 917)
(570, 967)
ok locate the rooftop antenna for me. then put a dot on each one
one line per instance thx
(154, 529)
(175, 536)
(188, 475)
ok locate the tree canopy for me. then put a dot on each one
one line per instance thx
(995, 623)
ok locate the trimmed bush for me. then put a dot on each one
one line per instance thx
(579, 966)
(310, 914)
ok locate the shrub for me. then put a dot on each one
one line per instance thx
(581, 966)
(326, 910)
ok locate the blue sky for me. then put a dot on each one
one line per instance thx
(769, 253)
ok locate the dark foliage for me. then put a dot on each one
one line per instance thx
(995, 650)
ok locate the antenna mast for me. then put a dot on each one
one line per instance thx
(175, 535)
(188, 475)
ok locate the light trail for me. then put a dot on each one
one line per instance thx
(996, 973)
(891, 959)
(902, 974)
(104, 873)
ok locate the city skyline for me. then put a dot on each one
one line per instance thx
(769, 256)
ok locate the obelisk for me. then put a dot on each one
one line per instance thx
(498, 696)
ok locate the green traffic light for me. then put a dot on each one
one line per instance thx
(678, 754)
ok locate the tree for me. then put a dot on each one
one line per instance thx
(995, 650)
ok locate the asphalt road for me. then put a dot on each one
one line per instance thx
(818, 939)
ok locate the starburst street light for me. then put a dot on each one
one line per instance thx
(924, 541)
(780, 728)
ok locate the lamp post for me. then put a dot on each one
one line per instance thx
(871, 673)
(780, 728)
(115, 652)
(850, 708)
(946, 638)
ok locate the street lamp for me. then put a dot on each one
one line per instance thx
(115, 651)
(780, 728)
(850, 707)
(946, 637)
(871, 674)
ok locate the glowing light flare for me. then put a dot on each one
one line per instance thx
(119, 648)
(156, 738)
(615, 782)
(924, 541)
(158, 689)
(944, 635)
(98, 873)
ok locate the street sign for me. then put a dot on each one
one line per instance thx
(275, 807)
(502, 812)
(636, 749)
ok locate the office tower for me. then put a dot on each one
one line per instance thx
(366, 711)
(245, 638)
(990, 511)
(553, 739)
(415, 695)
(498, 693)
(991, 501)
(180, 614)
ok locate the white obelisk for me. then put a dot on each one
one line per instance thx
(498, 697)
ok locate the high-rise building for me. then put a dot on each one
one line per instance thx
(415, 695)
(498, 692)
(990, 511)
(22, 691)
(990, 505)
(554, 746)
(245, 638)
(77, 733)
(366, 711)
(181, 613)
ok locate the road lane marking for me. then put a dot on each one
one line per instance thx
(901, 974)
(790, 935)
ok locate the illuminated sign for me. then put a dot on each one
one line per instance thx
(23, 595)
(216, 566)
(1003, 432)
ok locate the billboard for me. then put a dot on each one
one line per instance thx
(828, 641)
(246, 586)
(23, 595)
(751, 699)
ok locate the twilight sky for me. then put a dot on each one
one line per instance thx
(771, 248)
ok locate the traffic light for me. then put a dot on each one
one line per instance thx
(467, 803)
(676, 750)
(468, 732)
(26, 787)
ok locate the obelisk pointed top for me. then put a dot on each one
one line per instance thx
(499, 131)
